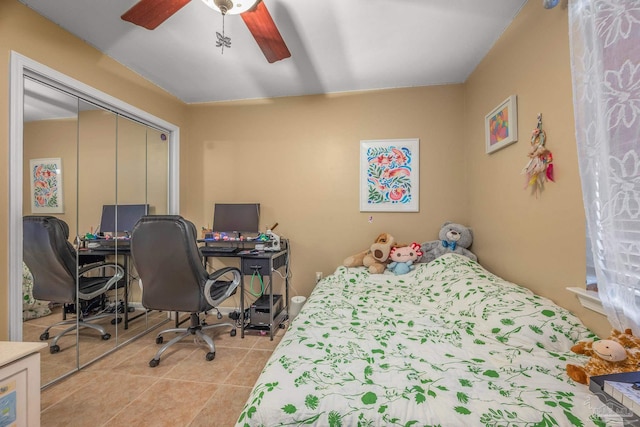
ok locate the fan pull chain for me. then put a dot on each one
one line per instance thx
(222, 40)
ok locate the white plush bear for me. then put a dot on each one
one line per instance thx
(454, 238)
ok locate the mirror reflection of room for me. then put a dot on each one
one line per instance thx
(112, 170)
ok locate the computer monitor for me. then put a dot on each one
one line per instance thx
(127, 216)
(236, 218)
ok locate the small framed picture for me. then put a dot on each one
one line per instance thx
(389, 175)
(46, 185)
(501, 125)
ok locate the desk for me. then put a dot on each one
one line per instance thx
(104, 251)
(263, 263)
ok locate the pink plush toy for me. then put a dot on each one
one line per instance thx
(403, 257)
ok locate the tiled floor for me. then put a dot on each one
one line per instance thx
(91, 345)
(184, 390)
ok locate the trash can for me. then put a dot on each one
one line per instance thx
(296, 304)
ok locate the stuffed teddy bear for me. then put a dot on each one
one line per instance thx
(618, 353)
(454, 238)
(376, 257)
(403, 257)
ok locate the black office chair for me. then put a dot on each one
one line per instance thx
(52, 261)
(173, 277)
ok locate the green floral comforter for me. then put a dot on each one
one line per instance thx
(448, 344)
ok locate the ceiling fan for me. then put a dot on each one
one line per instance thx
(151, 13)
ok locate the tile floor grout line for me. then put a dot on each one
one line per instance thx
(131, 402)
(87, 384)
(204, 405)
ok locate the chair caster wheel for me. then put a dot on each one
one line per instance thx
(219, 315)
(233, 332)
(106, 336)
(118, 320)
(159, 340)
(54, 349)
(44, 336)
(153, 363)
(210, 356)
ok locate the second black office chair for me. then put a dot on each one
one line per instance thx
(173, 277)
(52, 261)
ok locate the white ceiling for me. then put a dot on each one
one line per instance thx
(336, 45)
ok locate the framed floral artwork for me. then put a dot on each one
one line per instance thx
(389, 175)
(501, 125)
(46, 185)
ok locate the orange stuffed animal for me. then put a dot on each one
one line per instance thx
(618, 353)
(376, 257)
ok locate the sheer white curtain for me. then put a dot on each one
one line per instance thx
(605, 64)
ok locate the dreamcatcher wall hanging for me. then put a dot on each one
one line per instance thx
(539, 169)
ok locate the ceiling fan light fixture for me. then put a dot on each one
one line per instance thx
(231, 7)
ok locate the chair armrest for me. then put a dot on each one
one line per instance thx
(217, 290)
(93, 292)
(97, 265)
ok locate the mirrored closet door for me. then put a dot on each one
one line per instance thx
(141, 185)
(49, 139)
(110, 167)
(97, 162)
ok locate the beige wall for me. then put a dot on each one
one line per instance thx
(538, 241)
(29, 34)
(299, 158)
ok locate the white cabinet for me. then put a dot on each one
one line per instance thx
(20, 383)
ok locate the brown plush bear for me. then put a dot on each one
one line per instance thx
(618, 353)
(376, 257)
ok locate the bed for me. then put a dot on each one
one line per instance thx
(447, 344)
(31, 307)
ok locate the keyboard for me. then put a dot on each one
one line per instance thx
(225, 249)
(107, 243)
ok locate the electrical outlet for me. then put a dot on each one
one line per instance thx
(318, 276)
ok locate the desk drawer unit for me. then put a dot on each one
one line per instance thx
(253, 265)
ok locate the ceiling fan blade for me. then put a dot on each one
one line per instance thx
(151, 13)
(266, 33)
